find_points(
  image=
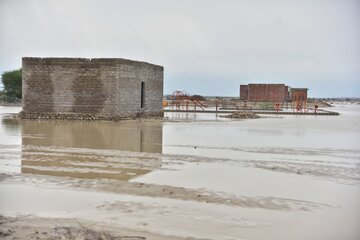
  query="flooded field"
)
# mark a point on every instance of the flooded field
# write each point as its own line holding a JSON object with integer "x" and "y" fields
{"x": 191, "y": 176}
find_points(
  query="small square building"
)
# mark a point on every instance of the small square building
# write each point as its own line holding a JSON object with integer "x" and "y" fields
{"x": 112, "y": 87}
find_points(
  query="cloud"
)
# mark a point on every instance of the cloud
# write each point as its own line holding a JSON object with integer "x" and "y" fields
{"x": 209, "y": 47}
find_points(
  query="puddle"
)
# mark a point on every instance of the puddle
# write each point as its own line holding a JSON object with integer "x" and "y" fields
{"x": 247, "y": 181}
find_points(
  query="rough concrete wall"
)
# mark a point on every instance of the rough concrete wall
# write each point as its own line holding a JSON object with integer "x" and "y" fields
{"x": 130, "y": 78}
{"x": 244, "y": 92}
{"x": 266, "y": 92}
{"x": 35, "y": 79}
{"x": 94, "y": 86}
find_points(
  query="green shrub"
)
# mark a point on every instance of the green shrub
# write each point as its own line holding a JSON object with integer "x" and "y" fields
{"x": 12, "y": 82}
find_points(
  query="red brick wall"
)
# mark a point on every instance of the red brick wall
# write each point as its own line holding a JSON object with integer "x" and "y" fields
{"x": 275, "y": 93}
{"x": 257, "y": 92}
{"x": 266, "y": 92}
{"x": 244, "y": 92}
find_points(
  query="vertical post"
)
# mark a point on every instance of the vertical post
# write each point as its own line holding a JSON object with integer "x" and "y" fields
{"x": 277, "y": 107}
{"x": 195, "y": 106}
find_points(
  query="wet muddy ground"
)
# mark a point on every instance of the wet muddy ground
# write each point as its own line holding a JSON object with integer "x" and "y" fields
{"x": 191, "y": 176}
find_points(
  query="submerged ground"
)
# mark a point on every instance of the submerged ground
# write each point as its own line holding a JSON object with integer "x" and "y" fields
{"x": 192, "y": 176}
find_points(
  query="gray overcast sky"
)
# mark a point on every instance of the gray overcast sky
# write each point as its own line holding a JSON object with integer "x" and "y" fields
{"x": 206, "y": 47}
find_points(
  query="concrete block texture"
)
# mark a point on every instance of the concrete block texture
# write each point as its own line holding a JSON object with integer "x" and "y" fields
{"x": 112, "y": 86}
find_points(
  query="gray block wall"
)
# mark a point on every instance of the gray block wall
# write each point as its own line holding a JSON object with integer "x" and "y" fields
{"x": 106, "y": 86}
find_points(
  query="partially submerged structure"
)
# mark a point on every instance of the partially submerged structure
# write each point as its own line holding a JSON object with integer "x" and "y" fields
{"x": 277, "y": 94}
{"x": 104, "y": 88}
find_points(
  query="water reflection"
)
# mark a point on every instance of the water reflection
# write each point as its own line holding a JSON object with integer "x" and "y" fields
{"x": 111, "y": 150}
{"x": 9, "y": 126}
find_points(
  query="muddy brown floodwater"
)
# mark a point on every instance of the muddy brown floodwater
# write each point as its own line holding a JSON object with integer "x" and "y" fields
{"x": 191, "y": 176}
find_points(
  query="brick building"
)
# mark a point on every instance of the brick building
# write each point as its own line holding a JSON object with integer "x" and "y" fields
{"x": 264, "y": 92}
{"x": 103, "y": 86}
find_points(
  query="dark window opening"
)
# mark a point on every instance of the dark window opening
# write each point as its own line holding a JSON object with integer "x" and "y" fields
{"x": 142, "y": 94}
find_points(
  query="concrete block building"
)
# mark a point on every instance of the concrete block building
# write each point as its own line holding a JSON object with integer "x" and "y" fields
{"x": 102, "y": 86}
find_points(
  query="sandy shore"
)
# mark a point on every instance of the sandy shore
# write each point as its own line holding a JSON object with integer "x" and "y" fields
{"x": 32, "y": 227}
{"x": 162, "y": 191}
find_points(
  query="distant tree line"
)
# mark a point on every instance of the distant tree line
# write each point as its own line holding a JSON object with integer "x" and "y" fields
{"x": 12, "y": 82}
